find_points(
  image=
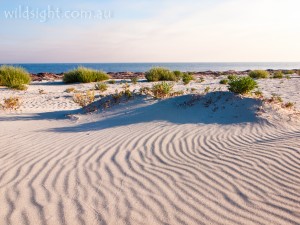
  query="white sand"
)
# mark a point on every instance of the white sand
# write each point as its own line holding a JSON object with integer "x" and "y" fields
{"x": 151, "y": 162}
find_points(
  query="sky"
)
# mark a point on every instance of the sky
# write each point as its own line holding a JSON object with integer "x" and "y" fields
{"x": 150, "y": 31}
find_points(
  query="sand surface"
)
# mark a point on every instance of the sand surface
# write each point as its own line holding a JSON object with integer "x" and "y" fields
{"x": 151, "y": 162}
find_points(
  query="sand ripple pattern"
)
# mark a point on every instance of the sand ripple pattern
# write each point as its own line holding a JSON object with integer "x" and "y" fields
{"x": 151, "y": 173}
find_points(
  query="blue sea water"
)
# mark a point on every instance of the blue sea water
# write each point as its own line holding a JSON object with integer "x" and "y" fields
{"x": 142, "y": 67}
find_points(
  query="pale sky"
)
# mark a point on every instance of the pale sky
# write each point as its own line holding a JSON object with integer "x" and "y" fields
{"x": 155, "y": 31}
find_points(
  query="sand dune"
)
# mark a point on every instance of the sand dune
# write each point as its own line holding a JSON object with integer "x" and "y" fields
{"x": 150, "y": 162}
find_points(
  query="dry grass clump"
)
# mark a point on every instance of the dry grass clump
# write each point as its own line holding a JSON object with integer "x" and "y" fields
{"x": 11, "y": 103}
{"x": 85, "y": 98}
{"x": 84, "y": 75}
{"x": 14, "y": 77}
{"x": 70, "y": 90}
{"x": 289, "y": 105}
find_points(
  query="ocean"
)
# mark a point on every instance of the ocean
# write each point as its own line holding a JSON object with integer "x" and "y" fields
{"x": 142, "y": 67}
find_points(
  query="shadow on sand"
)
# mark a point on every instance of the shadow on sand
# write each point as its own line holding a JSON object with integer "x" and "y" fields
{"x": 213, "y": 108}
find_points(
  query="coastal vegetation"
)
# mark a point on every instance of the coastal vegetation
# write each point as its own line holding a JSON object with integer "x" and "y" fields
{"x": 84, "y": 75}
{"x": 11, "y": 103}
{"x": 259, "y": 74}
{"x": 14, "y": 77}
{"x": 160, "y": 74}
{"x": 242, "y": 85}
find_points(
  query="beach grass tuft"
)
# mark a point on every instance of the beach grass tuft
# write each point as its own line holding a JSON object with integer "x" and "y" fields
{"x": 14, "y": 77}
{"x": 84, "y": 75}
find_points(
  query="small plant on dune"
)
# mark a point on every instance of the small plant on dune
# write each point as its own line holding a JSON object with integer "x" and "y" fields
{"x": 160, "y": 74}
{"x": 117, "y": 96}
{"x": 232, "y": 77}
{"x": 177, "y": 93}
{"x": 289, "y": 105}
{"x": 258, "y": 94}
{"x": 14, "y": 77}
{"x": 224, "y": 81}
{"x": 200, "y": 80}
{"x": 126, "y": 91}
{"x": 84, "y": 75}
{"x": 42, "y": 91}
{"x": 84, "y": 99}
{"x": 187, "y": 78}
{"x": 287, "y": 77}
{"x": 111, "y": 81}
{"x": 193, "y": 89}
{"x": 274, "y": 99}
{"x": 259, "y": 74}
{"x": 102, "y": 87}
{"x": 134, "y": 80}
{"x": 242, "y": 85}
{"x": 145, "y": 90}
{"x": 70, "y": 90}
{"x": 278, "y": 75}
{"x": 206, "y": 90}
{"x": 162, "y": 90}
{"x": 178, "y": 74}
{"x": 11, "y": 103}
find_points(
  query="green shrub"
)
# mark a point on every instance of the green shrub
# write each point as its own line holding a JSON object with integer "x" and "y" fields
{"x": 259, "y": 74}
{"x": 242, "y": 85}
{"x": 14, "y": 77}
{"x": 187, "y": 78}
{"x": 101, "y": 87}
{"x": 278, "y": 75}
{"x": 84, "y": 75}
{"x": 178, "y": 74}
{"x": 232, "y": 77}
{"x": 224, "y": 81}
{"x": 160, "y": 74}
{"x": 162, "y": 90}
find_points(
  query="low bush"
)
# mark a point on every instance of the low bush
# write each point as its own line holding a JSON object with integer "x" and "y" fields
{"x": 187, "y": 78}
{"x": 101, "y": 87}
{"x": 162, "y": 90}
{"x": 84, "y": 99}
{"x": 232, "y": 77}
{"x": 242, "y": 85}
{"x": 160, "y": 74}
{"x": 14, "y": 77}
{"x": 206, "y": 90}
{"x": 259, "y": 74}
{"x": 278, "y": 75}
{"x": 224, "y": 81}
{"x": 178, "y": 74}
{"x": 11, "y": 103}
{"x": 84, "y": 75}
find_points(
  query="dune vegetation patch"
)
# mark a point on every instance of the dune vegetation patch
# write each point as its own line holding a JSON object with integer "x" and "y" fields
{"x": 242, "y": 85}
{"x": 84, "y": 75}
{"x": 14, "y": 77}
{"x": 259, "y": 74}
